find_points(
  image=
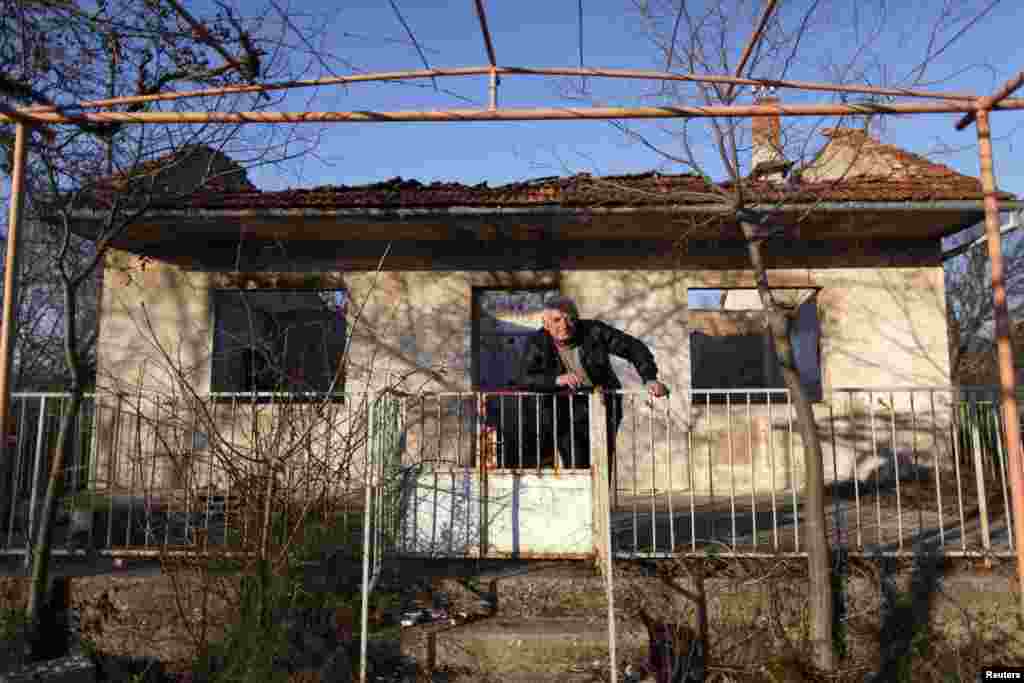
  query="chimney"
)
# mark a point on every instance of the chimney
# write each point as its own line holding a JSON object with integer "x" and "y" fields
{"x": 766, "y": 158}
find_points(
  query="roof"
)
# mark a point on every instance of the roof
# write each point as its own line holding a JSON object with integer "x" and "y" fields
{"x": 905, "y": 177}
{"x": 889, "y": 195}
{"x": 179, "y": 173}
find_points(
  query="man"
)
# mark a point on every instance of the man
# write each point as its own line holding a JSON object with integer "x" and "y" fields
{"x": 574, "y": 354}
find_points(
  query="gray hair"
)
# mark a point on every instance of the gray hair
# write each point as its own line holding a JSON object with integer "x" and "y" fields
{"x": 563, "y": 304}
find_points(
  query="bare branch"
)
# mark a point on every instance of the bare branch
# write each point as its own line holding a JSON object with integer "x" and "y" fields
{"x": 412, "y": 37}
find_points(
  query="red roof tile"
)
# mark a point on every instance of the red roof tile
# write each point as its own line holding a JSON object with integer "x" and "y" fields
{"x": 912, "y": 178}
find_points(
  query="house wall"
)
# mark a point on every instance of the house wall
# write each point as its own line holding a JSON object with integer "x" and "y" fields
{"x": 881, "y": 327}
{"x": 154, "y": 341}
{"x": 153, "y": 317}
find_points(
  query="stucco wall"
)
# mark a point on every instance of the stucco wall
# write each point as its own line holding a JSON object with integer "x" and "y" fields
{"x": 149, "y": 312}
{"x": 154, "y": 340}
{"x": 414, "y": 330}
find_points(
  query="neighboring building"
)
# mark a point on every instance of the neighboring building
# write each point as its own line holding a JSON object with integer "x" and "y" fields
{"x": 463, "y": 271}
{"x": 979, "y": 365}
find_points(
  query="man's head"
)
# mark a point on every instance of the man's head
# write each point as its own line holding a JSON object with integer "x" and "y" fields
{"x": 560, "y": 316}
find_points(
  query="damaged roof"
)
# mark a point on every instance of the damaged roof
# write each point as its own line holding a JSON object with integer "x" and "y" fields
{"x": 584, "y": 190}
{"x": 878, "y": 173}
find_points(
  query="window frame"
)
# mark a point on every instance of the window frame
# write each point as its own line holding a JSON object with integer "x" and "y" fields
{"x": 813, "y": 387}
{"x": 259, "y": 395}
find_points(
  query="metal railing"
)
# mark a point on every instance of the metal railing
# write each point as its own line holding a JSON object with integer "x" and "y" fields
{"x": 722, "y": 471}
{"x": 907, "y": 470}
{"x": 147, "y": 474}
{"x": 709, "y": 471}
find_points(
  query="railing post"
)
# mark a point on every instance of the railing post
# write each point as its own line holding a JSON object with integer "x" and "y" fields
{"x": 599, "y": 469}
{"x": 482, "y": 484}
{"x": 37, "y": 466}
{"x": 372, "y": 451}
{"x": 973, "y": 421}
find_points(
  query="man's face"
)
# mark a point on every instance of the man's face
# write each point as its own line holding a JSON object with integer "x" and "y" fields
{"x": 559, "y": 325}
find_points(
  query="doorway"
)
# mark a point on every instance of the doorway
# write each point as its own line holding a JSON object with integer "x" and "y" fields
{"x": 503, "y": 319}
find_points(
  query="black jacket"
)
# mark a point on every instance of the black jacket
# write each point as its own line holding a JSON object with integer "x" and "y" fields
{"x": 541, "y": 365}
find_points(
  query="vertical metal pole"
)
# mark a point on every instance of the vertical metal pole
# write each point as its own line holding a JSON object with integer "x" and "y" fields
{"x": 654, "y": 479}
{"x": 599, "y": 463}
{"x": 1007, "y": 374}
{"x": 690, "y": 421}
{"x": 16, "y": 456}
{"x": 36, "y": 476}
{"x": 10, "y": 298}
{"x": 671, "y": 512}
{"x": 732, "y": 469}
{"x": 957, "y": 412}
{"x": 636, "y": 468}
{"x": 371, "y": 450}
{"x": 771, "y": 460}
{"x": 856, "y": 475}
{"x": 520, "y": 418}
{"x": 753, "y": 473}
{"x": 878, "y": 467}
{"x": 896, "y": 469}
{"x": 494, "y": 90}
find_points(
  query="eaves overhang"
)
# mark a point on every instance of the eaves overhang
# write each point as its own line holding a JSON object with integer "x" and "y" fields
{"x": 888, "y": 220}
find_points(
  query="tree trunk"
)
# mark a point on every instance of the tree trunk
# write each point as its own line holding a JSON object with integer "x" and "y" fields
{"x": 777, "y": 323}
{"x": 41, "y": 550}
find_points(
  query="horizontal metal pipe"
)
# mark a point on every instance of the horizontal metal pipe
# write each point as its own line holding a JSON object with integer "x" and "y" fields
{"x": 639, "y": 392}
{"x": 853, "y": 553}
{"x": 385, "y": 76}
{"x": 146, "y": 554}
{"x": 19, "y": 116}
{"x": 523, "y": 114}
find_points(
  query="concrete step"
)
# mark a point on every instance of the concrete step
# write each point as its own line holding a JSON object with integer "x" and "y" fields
{"x": 586, "y": 676}
{"x": 557, "y": 647}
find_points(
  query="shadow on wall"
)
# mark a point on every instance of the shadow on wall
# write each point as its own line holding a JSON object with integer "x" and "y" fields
{"x": 894, "y": 329}
{"x": 449, "y": 514}
{"x": 155, "y": 327}
{"x": 420, "y": 326}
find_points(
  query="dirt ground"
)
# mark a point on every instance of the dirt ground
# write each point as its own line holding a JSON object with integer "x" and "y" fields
{"x": 160, "y": 617}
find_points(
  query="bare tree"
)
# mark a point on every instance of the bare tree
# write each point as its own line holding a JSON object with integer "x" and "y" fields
{"x": 289, "y": 449}
{"x": 773, "y": 40}
{"x": 58, "y": 54}
{"x": 969, "y": 304}
{"x": 38, "y": 363}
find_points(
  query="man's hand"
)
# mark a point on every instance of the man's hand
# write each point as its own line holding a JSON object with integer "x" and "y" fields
{"x": 657, "y": 389}
{"x": 569, "y": 380}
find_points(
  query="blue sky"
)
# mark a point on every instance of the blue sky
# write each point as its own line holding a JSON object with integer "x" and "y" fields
{"x": 367, "y": 36}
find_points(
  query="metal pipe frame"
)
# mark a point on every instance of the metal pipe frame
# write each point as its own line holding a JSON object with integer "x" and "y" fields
{"x": 513, "y": 114}
{"x": 589, "y": 72}
{"x": 14, "y": 220}
{"x": 1007, "y": 371}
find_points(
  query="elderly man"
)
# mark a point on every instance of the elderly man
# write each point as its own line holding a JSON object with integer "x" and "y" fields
{"x": 571, "y": 353}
